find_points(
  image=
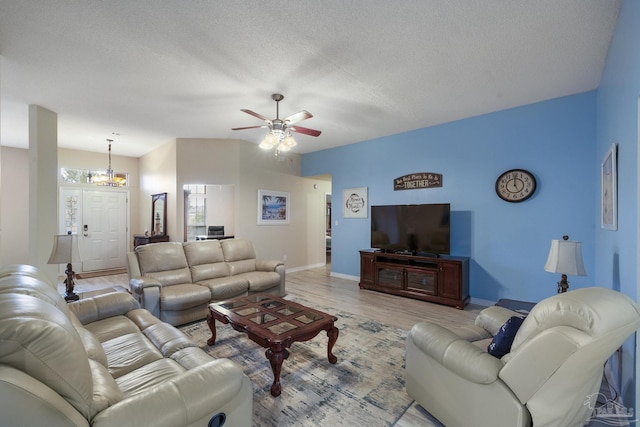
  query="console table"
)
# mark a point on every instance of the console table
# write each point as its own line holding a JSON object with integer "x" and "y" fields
{"x": 145, "y": 240}
{"x": 443, "y": 280}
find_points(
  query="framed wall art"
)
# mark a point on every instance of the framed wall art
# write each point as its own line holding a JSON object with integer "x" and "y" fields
{"x": 354, "y": 202}
{"x": 609, "y": 194}
{"x": 273, "y": 207}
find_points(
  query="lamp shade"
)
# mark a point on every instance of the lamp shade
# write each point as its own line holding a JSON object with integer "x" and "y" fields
{"x": 65, "y": 249}
{"x": 565, "y": 257}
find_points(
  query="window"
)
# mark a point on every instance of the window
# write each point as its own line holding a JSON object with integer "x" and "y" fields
{"x": 84, "y": 176}
{"x": 196, "y": 210}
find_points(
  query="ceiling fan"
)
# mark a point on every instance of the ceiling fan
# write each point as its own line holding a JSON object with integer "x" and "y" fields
{"x": 279, "y": 135}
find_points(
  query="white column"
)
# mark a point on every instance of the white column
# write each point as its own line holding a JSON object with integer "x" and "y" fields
{"x": 43, "y": 187}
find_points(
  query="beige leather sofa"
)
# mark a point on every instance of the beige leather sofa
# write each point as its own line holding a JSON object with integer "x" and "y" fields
{"x": 176, "y": 281}
{"x": 554, "y": 366}
{"x": 104, "y": 362}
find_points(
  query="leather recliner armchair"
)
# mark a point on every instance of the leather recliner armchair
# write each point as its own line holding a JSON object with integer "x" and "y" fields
{"x": 554, "y": 366}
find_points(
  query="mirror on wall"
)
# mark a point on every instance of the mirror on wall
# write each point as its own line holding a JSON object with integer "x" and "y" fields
{"x": 158, "y": 214}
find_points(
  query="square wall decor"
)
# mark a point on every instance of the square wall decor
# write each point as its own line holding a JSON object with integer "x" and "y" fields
{"x": 354, "y": 202}
{"x": 273, "y": 207}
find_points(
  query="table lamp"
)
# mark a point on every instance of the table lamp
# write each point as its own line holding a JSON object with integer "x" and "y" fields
{"x": 565, "y": 257}
{"x": 65, "y": 251}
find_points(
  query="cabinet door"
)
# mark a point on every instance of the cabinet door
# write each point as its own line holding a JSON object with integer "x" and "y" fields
{"x": 366, "y": 269}
{"x": 422, "y": 280}
{"x": 449, "y": 279}
{"x": 389, "y": 276}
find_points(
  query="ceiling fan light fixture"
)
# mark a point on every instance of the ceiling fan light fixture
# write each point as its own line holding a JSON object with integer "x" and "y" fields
{"x": 268, "y": 142}
{"x": 289, "y": 141}
{"x": 279, "y": 135}
{"x": 282, "y": 147}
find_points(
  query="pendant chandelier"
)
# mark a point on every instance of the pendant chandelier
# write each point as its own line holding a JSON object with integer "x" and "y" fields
{"x": 110, "y": 182}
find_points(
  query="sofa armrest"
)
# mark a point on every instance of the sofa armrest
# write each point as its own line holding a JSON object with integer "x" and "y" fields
{"x": 196, "y": 395}
{"x": 268, "y": 264}
{"x": 455, "y": 353}
{"x": 138, "y": 284}
{"x": 103, "y": 306}
{"x": 531, "y": 365}
{"x": 147, "y": 291}
{"x": 25, "y": 401}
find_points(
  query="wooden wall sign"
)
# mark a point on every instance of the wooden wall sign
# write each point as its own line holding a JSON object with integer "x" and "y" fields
{"x": 417, "y": 181}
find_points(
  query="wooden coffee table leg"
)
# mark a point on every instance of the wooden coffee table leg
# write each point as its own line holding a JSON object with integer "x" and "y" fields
{"x": 211, "y": 321}
{"x": 333, "y": 337}
{"x": 276, "y": 358}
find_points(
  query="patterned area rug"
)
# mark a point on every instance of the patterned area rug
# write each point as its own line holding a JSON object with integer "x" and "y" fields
{"x": 365, "y": 387}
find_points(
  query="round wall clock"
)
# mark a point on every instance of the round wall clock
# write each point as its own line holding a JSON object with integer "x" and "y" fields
{"x": 515, "y": 185}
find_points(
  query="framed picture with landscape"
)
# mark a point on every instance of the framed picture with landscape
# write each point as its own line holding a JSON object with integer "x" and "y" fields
{"x": 273, "y": 207}
{"x": 609, "y": 194}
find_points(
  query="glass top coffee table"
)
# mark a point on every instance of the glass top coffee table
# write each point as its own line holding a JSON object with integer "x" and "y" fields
{"x": 274, "y": 323}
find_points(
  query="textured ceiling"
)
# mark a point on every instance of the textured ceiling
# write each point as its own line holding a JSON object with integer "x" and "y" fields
{"x": 155, "y": 70}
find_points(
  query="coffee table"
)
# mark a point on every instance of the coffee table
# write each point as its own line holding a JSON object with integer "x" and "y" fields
{"x": 274, "y": 323}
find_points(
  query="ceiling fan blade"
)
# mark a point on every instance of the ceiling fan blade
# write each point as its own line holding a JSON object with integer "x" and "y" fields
{"x": 297, "y": 117}
{"x": 305, "y": 131}
{"x": 254, "y": 114}
{"x": 250, "y": 127}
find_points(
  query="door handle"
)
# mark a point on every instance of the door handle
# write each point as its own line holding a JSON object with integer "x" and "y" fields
{"x": 86, "y": 231}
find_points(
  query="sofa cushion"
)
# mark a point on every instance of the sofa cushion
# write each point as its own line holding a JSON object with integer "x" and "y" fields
{"x": 226, "y": 287}
{"x": 128, "y": 353}
{"x": 206, "y": 260}
{"x": 165, "y": 262}
{"x": 237, "y": 250}
{"x": 37, "y": 338}
{"x": 501, "y": 342}
{"x": 183, "y": 296}
{"x": 148, "y": 376}
{"x": 112, "y": 327}
{"x": 260, "y": 281}
{"x": 209, "y": 271}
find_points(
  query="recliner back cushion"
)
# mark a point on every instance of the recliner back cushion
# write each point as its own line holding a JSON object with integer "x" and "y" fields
{"x": 38, "y": 339}
{"x": 240, "y": 255}
{"x": 206, "y": 260}
{"x": 31, "y": 285}
{"x": 594, "y": 311}
{"x": 165, "y": 262}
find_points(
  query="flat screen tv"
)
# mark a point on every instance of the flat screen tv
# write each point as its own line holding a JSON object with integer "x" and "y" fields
{"x": 419, "y": 229}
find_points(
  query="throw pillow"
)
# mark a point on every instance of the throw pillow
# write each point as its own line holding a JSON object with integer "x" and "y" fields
{"x": 501, "y": 342}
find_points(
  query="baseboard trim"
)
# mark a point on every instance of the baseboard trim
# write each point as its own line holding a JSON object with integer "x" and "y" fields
{"x": 97, "y": 273}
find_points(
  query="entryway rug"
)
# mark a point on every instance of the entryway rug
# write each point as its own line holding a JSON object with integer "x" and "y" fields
{"x": 365, "y": 387}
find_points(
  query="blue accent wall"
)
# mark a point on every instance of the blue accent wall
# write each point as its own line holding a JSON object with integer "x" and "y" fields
{"x": 508, "y": 243}
{"x": 563, "y": 142}
{"x": 617, "y": 113}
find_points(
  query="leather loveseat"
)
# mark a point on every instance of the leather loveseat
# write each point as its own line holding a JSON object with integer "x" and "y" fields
{"x": 104, "y": 362}
{"x": 553, "y": 369}
{"x": 176, "y": 281}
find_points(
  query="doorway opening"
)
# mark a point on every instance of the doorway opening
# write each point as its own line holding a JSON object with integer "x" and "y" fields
{"x": 208, "y": 208}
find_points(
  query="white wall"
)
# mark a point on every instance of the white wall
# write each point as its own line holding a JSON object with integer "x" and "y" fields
{"x": 14, "y": 220}
{"x": 158, "y": 175}
{"x": 221, "y": 206}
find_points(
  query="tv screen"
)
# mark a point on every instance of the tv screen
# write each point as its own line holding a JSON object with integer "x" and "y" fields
{"x": 414, "y": 228}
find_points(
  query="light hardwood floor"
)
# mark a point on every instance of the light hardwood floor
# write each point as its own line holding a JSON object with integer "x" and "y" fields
{"x": 318, "y": 286}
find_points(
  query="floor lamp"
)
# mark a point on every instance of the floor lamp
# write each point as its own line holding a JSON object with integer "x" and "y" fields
{"x": 65, "y": 251}
{"x": 565, "y": 257}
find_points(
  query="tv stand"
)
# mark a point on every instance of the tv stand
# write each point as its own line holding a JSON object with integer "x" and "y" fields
{"x": 442, "y": 279}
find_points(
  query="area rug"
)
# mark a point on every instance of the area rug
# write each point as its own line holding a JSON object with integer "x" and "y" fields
{"x": 365, "y": 387}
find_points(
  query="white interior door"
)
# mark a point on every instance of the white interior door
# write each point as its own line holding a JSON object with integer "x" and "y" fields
{"x": 103, "y": 245}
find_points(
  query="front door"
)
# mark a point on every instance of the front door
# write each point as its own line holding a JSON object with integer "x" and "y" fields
{"x": 99, "y": 217}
